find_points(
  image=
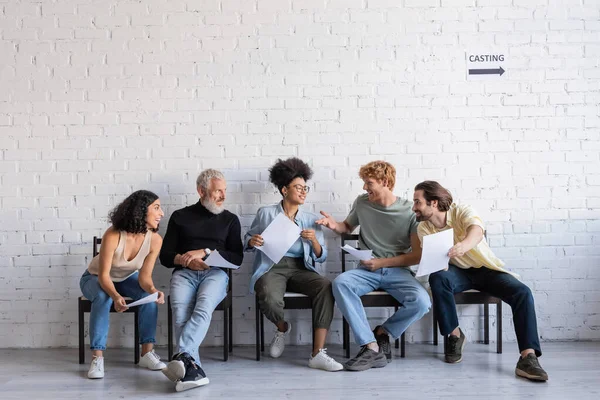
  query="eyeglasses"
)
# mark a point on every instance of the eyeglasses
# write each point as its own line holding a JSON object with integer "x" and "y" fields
{"x": 300, "y": 188}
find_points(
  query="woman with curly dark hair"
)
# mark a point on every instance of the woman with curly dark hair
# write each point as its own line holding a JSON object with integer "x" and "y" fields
{"x": 296, "y": 271}
{"x": 124, "y": 268}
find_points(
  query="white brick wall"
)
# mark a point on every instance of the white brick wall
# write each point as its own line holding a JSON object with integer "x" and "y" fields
{"x": 102, "y": 98}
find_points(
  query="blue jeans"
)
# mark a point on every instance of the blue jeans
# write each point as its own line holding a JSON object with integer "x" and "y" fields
{"x": 101, "y": 303}
{"x": 398, "y": 282}
{"x": 194, "y": 297}
{"x": 499, "y": 284}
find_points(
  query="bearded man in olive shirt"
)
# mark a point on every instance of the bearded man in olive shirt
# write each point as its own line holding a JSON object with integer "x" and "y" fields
{"x": 196, "y": 289}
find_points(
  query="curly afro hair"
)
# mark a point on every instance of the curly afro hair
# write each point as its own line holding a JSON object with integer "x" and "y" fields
{"x": 130, "y": 215}
{"x": 285, "y": 171}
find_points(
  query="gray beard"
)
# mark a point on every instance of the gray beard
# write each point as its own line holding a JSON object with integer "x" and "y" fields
{"x": 212, "y": 206}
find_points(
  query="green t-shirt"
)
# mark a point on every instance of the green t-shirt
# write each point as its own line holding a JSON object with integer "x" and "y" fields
{"x": 385, "y": 230}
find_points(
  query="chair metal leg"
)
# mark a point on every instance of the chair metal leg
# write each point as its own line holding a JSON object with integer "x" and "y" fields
{"x": 435, "y": 327}
{"x": 445, "y": 343}
{"x": 231, "y": 328}
{"x": 486, "y": 323}
{"x": 344, "y": 343}
{"x": 262, "y": 332}
{"x": 346, "y": 333}
{"x": 81, "y": 334}
{"x": 169, "y": 328}
{"x": 499, "y": 327}
{"x": 225, "y": 333}
{"x": 397, "y": 341}
{"x": 136, "y": 334}
{"x": 403, "y": 345}
{"x": 257, "y": 319}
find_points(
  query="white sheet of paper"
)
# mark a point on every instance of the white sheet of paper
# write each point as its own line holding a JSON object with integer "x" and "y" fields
{"x": 360, "y": 254}
{"x": 434, "y": 257}
{"x": 148, "y": 299}
{"x": 279, "y": 236}
{"x": 217, "y": 260}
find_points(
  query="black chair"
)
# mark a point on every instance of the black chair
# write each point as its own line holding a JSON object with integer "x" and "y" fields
{"x": 226, "y": 305}
{"x": 292, "y": 301}
{"x": 377, "y": 298}
{"x": 84, "y": 305}
{"x": 476, "y": 297}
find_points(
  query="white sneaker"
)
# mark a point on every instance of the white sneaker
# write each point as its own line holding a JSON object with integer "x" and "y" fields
{"x": 278, "y": 342}
{"x": 151, "y": 360}
{"x": 96, "y": 368}
{"x": 323, "y": 361}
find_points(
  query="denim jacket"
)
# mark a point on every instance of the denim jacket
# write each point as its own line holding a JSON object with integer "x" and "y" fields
{"x": 305, "y": 220}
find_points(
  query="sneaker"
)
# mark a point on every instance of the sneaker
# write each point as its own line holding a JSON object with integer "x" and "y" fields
{"x": 365, "y": 359}
{"x": 151, "y": 360}
{"x": 383, "y": 341}
{"x": 323, "y": 361}
{"x": 96, "y": 368}
{"x": 278, "y": 342}
{"x": 194, "y": 377}
{"x": 456, "y": 345}
{"x": 530, "y": 368}
{"x": 175, "y": 370}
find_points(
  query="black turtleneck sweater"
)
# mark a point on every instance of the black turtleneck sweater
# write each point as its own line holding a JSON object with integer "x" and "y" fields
{"x": 196, "y": 228}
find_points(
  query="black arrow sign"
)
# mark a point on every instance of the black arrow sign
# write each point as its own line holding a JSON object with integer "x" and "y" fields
{"x": 498, "y": 71}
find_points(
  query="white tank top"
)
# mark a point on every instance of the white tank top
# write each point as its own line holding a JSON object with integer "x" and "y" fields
{"x": 122, "y": 269}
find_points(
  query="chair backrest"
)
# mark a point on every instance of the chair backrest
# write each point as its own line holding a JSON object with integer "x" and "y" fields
{"x": 347, "y": 237}
{"x": 96, "y": 243}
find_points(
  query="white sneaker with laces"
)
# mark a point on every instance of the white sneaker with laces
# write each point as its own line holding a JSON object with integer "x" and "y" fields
{"x": 325, "y": 362}
{"x": 278, "y": 342}
{"x": 151, "y": 360}
{"x": 96, "y": 368}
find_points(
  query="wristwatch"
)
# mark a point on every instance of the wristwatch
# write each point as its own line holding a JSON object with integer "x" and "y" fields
{"x": 206, "y": 253}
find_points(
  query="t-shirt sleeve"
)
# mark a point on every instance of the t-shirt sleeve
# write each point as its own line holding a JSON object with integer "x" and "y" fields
{"x": 352, "y": 218}
{"x": 421, "y": 232}
{"x": 468, "y": 217}
{"x": 413, "y": 223}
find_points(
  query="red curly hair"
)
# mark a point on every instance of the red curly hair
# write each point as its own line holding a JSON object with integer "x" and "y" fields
{"x": 380, "y": 170}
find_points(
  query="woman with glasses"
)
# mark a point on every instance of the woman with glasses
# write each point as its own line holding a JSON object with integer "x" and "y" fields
{"x": 296, "y": 271}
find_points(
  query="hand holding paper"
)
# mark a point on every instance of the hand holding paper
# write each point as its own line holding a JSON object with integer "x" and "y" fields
{"x": 279, "y": 236}
{"x": 145, "y": 300}
{"x": 216, "y": 260}
{"x": 435, "y": 252}
{"x": 362, "y": 255}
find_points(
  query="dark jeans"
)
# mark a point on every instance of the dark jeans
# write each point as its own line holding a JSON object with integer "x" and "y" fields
{"x": 499, "y": 284}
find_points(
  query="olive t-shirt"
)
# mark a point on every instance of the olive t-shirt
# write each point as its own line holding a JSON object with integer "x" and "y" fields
{"x": 385, "y": 230}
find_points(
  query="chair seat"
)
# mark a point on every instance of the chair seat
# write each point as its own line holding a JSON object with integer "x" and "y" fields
{"x": 293, "y": 294}
{"x": 475, "y": 297}
{"x": 297, "y": 301}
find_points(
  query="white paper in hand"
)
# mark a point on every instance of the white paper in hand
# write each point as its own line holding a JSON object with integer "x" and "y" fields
{"x": 279, "y": 236}
{"x": 434, "y": 257}
{"x": 217, "y": 260}
{"x": 362, "y": 255}
{"x": 148, "y": 299}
